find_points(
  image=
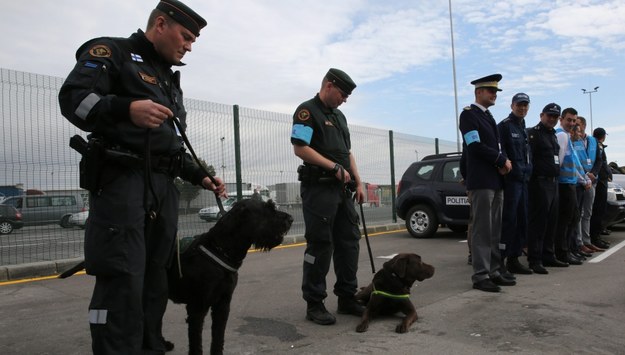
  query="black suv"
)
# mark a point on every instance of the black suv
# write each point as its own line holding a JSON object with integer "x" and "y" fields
{"x": 10, "y": 219}
{"x": 430, "y": 193}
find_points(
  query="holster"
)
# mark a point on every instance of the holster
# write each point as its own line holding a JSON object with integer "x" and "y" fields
{"x": 91, "y": 163}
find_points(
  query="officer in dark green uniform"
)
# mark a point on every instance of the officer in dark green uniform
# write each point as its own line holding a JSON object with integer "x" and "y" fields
{"x": 329, "y": 177}
{"x": 124, "y": 91}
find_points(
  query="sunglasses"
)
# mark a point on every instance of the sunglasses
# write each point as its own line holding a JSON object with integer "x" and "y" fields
{"x": 343, "y": 93}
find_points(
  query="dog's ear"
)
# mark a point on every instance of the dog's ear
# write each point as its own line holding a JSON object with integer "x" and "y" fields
{"x": 397, "y": 265}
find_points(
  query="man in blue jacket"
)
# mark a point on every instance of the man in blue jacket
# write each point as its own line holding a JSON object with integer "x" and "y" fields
{"x": 514, "y": 145}
{"x": 485, "y": 167}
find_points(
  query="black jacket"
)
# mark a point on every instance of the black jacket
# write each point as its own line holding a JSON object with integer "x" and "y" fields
{"x": 109, "y": 74}
{"x": 483, "y": 155}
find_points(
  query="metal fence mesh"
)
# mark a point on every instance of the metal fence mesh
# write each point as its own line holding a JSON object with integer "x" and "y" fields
{"x": 36, "y": 156}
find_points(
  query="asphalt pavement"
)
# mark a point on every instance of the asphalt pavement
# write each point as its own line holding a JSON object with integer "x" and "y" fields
{"x": 574, "y": 310}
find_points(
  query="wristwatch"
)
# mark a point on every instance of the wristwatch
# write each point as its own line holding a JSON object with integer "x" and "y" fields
{"x": 336, "y": 168}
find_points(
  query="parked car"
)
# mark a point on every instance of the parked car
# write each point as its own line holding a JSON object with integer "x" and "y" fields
{"x": 430, "y": 193}
{"x": 78, "y": 219}
{"x": 10, "y": 219}
{"x": 212, "y": 213}
{"x": 46, "y": 209}
{"x": 615, "y": 210}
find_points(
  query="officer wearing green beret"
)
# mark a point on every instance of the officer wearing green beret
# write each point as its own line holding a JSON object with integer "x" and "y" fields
{"x": 124, "y": 92}
{"x": 329, "y": 177}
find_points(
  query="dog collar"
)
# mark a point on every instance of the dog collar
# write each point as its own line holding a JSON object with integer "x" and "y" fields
{"x": 217, "y": 260}
{"x": 390, "y": 295}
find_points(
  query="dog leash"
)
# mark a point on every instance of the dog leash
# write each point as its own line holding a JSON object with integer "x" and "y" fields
{"x": 364, "y": 228}
{"x": 211, "y": 177}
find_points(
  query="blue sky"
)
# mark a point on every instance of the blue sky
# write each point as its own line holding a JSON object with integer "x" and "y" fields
{"x": 272, "y": 54}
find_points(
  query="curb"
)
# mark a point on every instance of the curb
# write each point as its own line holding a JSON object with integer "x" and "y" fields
{"x": 52, "y": 268}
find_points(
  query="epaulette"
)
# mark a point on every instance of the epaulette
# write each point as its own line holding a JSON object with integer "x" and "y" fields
{"x": 507, "y": 119}
{"x": 467, "y": 108}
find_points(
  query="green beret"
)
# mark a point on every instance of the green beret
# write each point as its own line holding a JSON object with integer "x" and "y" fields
{"x": 182, "y": 14}
{"x": 341, "y": 79}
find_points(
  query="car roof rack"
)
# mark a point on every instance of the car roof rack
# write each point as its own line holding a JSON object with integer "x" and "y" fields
{"x": 442, "y": 155}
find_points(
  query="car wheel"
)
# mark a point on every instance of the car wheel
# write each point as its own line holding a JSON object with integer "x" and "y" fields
{"x": 458, "y": 228}
{"x": 6, "y": 228}
{"x": 65, "y": 221}
{"x": 421, "y": 221}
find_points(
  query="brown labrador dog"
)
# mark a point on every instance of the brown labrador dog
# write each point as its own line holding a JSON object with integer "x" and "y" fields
{"x": 389, "y": 292}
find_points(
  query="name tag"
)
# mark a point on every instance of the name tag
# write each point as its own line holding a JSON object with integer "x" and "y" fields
{"x": 556, "y": 159}
{"x": 515, "y": 135}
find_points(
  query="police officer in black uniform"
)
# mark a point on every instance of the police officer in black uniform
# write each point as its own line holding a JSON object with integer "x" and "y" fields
{"x": 125, "y": 93}
{"x": 543, "y": 191}
{"x": 514, "y": 217}
{"x": 329, "y": 176}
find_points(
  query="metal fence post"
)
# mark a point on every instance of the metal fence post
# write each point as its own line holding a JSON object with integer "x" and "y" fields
{"x": 237, "y": 151}
{"x": 393, "y": 189}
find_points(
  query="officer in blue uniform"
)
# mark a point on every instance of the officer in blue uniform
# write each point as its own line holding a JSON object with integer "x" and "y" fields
{"x": 125, "y": 93}
{"x": 320, "y": 137}
{"x": 485, "y": 167}
{"x": 514, "y": 220}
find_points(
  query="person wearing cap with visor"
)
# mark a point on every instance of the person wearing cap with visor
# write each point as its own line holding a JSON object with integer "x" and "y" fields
{"x": 124, "y": 92}
{"x": 514, "y": 220}
{"x": 601, "y": 192}
{"x": 485, "y": 167}
{"x": 320, "y": 137}
{"x": 543, "y": 191}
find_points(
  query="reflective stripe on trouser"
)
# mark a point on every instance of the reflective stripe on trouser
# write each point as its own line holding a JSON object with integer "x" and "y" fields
{"x": 332, "y": 234}
{"x": 130, "y": 293}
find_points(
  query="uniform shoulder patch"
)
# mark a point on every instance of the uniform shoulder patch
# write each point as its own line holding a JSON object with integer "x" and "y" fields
{"x": 100, "y": 50}
{"x": 303, "y": 115}
{"x": 147, "y": 78}
{"x": 467, "y": 108}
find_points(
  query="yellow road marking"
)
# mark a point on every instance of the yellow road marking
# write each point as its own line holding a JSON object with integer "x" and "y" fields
{"x": 42, "y": 278}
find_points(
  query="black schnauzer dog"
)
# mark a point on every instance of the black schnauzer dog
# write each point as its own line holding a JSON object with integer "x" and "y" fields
{"x": 389, "y": 292}
{"x": 209, "y": 266}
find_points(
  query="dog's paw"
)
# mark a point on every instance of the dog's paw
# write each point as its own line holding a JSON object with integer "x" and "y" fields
{"x": 362, "y": 327}
{"x": 401, "y": 328}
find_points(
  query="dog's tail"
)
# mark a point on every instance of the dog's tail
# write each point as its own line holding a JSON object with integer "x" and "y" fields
{"x": 73, "y": 270}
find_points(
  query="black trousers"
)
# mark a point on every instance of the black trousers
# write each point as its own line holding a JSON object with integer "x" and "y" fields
{"x": 514, "y": 218}
{"x": 598, "y": 209}
{"x": 568, "y": 218}
{"x": 543, "y": 215}
{"x": 332, "y": 235}
{"x": 129, "y": 259}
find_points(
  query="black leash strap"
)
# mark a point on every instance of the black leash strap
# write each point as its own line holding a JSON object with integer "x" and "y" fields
{"x": 364, "y": 227}
{"x": 211, "y": 177}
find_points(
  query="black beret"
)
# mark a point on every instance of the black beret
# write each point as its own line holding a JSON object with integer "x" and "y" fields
{"x": 341, "y": 79}
{"x": 490, "y": 81}
{"x": 182, "y": 14}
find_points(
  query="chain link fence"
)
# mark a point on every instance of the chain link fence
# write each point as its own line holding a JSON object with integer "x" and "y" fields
{"x": 250, "y": 149}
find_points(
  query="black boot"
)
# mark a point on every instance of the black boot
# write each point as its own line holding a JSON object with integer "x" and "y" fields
{"x": 514, "y": 266}
{"x": 318, "y": 313}
{"x": 348, "y": 305}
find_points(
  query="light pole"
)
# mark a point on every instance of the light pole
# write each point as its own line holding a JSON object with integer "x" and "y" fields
{"x": 223, "y": 164}
{"x": 417, "y": 152}
{"x": 589, "y": 92}
{"x": 453, "y": 61}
